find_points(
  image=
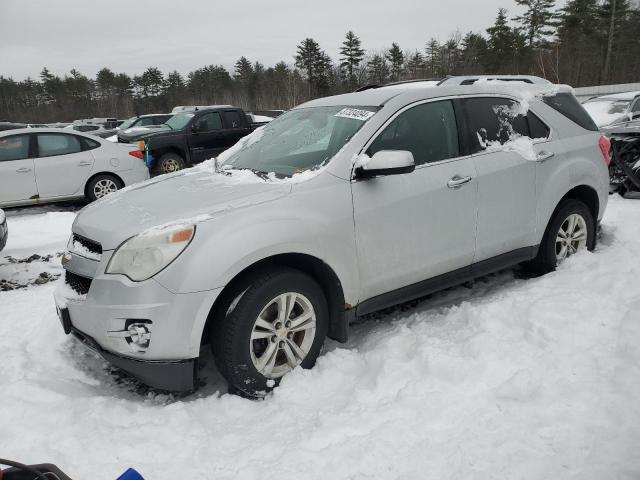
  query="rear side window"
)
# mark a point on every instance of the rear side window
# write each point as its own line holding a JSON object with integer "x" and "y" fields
{"x": 490, "y": 120}
{"x": 88, "y": 144}
{"x": 232, "y": 119}
{"x": 52, "y": 144}
{"x": 566, "y": 104}
{"x": 428, "y": 131}
{"x": 537, "y": 128}
{"x": 14, "y": 147}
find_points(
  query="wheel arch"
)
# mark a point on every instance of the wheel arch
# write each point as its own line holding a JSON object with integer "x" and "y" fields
{"x": 587, "y": 195}
{"x": 317, "y": 269}
{"x": 157, "y": 153}
{"x": 111, "y": 174}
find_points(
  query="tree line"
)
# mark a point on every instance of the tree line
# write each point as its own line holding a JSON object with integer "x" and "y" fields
{"x": 587, "y": 42}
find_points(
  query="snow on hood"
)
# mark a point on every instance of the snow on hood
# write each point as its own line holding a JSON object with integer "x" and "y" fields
{"x": 186, "y": 197}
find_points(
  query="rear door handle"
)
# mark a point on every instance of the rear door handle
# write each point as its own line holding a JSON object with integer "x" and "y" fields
{"x": 457, "y": 181}
{"x": 84, "y": 164}
{"x": 543, "y": 156}
{"x": 23, "y": 170}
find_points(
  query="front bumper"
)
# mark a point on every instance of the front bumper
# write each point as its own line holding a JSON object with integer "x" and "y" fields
{"x": 102, "y": 316}
{"x": 173, "y": 376}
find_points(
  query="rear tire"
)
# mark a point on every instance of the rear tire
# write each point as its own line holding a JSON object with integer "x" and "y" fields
{"x": 168, "y": 163}
{"x": 570, "y": 229}
{"x": 256, "y": 342}
{"x": 102, "y": 185}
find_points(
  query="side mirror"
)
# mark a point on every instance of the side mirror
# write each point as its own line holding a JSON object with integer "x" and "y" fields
{"x": 195, "y": 127}
{"x": 634, "y": 115}
{"x": 387, "y": 162}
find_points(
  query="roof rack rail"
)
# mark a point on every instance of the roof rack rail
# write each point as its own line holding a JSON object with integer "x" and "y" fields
{"x": 401, "y": 82}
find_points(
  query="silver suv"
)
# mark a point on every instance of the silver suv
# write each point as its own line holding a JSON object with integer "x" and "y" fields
{"x": 340, "y": 207}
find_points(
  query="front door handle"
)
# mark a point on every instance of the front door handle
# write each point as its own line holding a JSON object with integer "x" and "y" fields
{"x": 457, "y": 181}
{"x": 543, "y": 156}
{"x": 23, "y": 170}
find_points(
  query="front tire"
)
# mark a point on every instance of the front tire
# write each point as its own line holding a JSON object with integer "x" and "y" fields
{"x": 571, "y": 228}
{"x": 279, "y": 322}
{"x": 102, "y": 185}
{"x": 168, "y": 163}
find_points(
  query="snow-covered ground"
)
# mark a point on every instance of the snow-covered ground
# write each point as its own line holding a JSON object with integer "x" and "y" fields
{"x": 509, "y": 379}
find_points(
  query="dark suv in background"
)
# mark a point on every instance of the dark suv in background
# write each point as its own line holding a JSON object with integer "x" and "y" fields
{"x": 192, "y": 137}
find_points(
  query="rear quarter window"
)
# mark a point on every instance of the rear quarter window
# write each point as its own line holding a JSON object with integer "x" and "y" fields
{"x": 566, "y": 104}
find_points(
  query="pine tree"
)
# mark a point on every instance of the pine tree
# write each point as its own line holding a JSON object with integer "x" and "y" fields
{"x": 432, "y": 58}
{"x": 501, "y": 43}
{"x": 537, "y": 21}
{"x": 396, "y": 59}
{"x": 309, "y": 58}
{"x": 473, "y": 53}
{"x": 415, "y": 66}
{"x": 351, "y": 56}
{"x": 378, "y": 69}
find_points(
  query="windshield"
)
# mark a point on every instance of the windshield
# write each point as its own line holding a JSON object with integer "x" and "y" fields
{"x": 179, "y": 121}
{"x": 302, "y": 139}
{"x": 606, "y": 111}
{"x": 127, "y": 123}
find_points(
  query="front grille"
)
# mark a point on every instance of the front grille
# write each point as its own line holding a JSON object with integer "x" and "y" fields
{"x": 93, "y": 247}
{"x": 78, "y": 283}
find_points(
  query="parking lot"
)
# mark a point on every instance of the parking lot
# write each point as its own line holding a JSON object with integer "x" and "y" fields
{"x": 507, "y": 377}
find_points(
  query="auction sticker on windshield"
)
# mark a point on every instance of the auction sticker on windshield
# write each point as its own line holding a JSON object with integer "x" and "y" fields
{"x": 355, "y": 113}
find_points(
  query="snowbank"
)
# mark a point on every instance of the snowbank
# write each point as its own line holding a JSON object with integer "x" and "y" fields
{"x": 534, "y": 379}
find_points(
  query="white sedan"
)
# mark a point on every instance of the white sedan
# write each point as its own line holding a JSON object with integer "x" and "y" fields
{"x": 39, "y": 165}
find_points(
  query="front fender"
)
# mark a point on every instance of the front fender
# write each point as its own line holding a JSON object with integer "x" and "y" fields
{"x": 312, "y": 221}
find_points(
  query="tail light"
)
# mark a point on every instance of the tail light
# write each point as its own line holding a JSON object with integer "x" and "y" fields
{"x": 605, "y": 147}
{"x": 137, "y": 154}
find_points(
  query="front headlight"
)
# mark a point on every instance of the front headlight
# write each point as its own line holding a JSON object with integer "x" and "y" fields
{"x": 143, "y": 256}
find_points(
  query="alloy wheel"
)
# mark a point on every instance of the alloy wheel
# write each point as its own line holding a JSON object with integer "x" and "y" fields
{"x": 170, "y": 165}
{"x": 283, "y": 334}
{"x": 104, "y": 187}
{"x": 572, "y": 236}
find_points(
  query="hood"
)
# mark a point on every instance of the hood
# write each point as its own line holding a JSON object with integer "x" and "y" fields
{"x": 135, "y": 136}
{"x": 189, "y": 196}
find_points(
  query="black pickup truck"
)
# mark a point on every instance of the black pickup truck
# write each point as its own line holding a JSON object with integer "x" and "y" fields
{"x": 192, "y": 137}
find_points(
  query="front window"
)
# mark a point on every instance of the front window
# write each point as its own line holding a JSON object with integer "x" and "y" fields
{"x": 178, "y": 122}
{"x": 300, "y": 140}
{"x": 15, "y": 147}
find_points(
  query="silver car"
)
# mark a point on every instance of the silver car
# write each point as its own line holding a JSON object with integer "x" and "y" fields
{"x": 340, "y": 207}
{"x": 39, "y": 165}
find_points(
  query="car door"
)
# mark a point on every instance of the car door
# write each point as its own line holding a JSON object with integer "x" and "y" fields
{"x": 17, "y": 171}
{"x": 206, "y": 139}
{"x": 416, "y": 226}
{"x": 235, "y": 127}
{"x": 506, "y": 179}
{"x": 62, "y": 165}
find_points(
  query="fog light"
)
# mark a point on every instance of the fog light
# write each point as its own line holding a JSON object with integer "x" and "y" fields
{"x": 139, "y": 334}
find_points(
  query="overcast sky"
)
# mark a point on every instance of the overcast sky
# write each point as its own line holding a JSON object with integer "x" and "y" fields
{"x": 130, "y": 35}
